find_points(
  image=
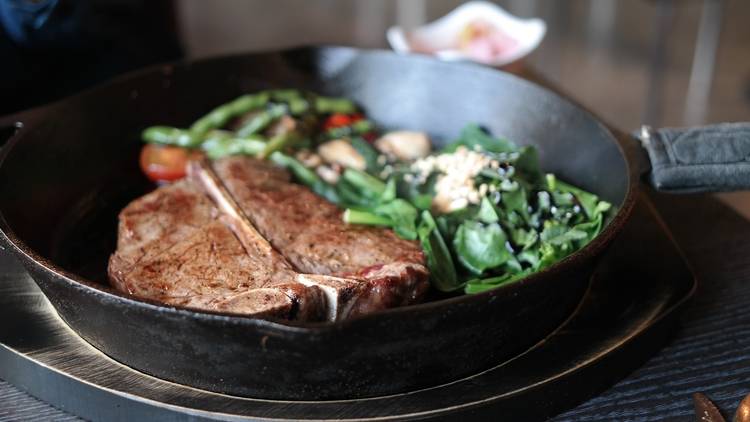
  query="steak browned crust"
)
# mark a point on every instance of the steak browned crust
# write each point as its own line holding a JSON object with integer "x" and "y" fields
{"x": 306, "y": 228}
{"x": 177, "y": 246}
{"x": 310, "y": 232}
{"x": 173, "y": 248}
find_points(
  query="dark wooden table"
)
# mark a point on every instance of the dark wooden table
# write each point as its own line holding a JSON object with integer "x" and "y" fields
{"x": 709, "y": 351}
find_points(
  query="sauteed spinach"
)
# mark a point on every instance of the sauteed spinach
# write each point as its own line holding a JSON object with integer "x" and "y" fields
{"x": 481, "y": 207}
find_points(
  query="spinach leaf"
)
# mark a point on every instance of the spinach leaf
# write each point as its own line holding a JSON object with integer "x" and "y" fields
{"x": 563, "y": 199}
{"x": 515, "y": 200}
{"x": 559, "y": 235}
{"x": 591, "y": 228}
{"x": 419, "y": 194}
{"x": 512, "y": 266}
{"x": 474, "y": 136}
{"x": 588, "y": 201}
{"x": 480, "y": 247}
{"x": 449, "y": 223}
{"x": 601, "y": 208}
{"x": 403, "y": 217}
{"x": 524, "y": 238}
{"x": 530, "y": 257}
{"x": 422, "y": 201}
{"x": 527, "y": 167}
{"x": 487, "y": 213}
{"x": 439, "y": 260}
{"x": 483, "y": 284}
{"x": 548, "y": 255}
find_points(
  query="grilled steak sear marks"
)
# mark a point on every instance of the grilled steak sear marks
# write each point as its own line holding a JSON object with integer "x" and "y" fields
{"x": 306, "y": 228}
{"x": 241, "y": 238}
{"x": 310, "y": 232}
{"x": 173, "y": 248}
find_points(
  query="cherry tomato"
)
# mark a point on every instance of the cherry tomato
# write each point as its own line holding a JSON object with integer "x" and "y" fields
{"x": 337, "y": 120}
{"x": 341, "y": 120}
{"x": 164, "y": 163}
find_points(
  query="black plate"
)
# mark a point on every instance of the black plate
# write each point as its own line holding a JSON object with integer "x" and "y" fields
{"x": 625, "y": 316}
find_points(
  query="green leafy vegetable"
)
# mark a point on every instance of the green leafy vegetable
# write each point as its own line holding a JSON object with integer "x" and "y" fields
{"x": 439, "y": 260}
{"x": 487, "y": 213}
{"x": 588, "y": 201}
{"x": 474, "y": 136}
{"x": 480, "y": 247}
{"x": 524, "y": 238}
{"x": 527, "y": 167}
{"x": 420, "y": 195}
{"x": 484, "y": 284}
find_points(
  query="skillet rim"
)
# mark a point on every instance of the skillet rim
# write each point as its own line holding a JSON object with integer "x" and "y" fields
{"x": 591, "y": 250}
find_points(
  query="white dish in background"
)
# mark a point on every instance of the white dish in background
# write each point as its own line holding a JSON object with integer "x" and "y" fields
{"x": 511, "y": 38}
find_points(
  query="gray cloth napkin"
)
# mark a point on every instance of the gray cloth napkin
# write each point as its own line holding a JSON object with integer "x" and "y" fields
{"x": 701, "y": 159}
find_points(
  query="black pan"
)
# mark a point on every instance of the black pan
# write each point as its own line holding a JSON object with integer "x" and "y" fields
{"x": 71, "y": 166}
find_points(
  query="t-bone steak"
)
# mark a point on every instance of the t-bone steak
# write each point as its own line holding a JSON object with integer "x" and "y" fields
{"x": 237, "y": 236}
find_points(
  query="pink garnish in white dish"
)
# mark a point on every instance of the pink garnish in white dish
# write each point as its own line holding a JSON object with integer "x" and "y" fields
{"x": 478, "y": 31}
{"x": 485, "y": 42}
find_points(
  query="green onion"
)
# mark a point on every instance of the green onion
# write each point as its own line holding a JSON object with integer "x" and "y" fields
{"x": 168, "y": 135}
{"x": 353, "y": 216}
{"x": 326, "y": 105}
{"x": 367, "y": 184}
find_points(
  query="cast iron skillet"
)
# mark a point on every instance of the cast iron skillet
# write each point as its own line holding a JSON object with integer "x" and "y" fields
{"x": 71, "y": 166}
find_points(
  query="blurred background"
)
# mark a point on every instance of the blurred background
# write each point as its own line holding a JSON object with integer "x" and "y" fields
{"x": 630, "y": 60}
{"x": 660, "y": 62}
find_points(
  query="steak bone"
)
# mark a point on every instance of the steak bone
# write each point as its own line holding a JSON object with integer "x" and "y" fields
{"x": 341, "y": 294}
